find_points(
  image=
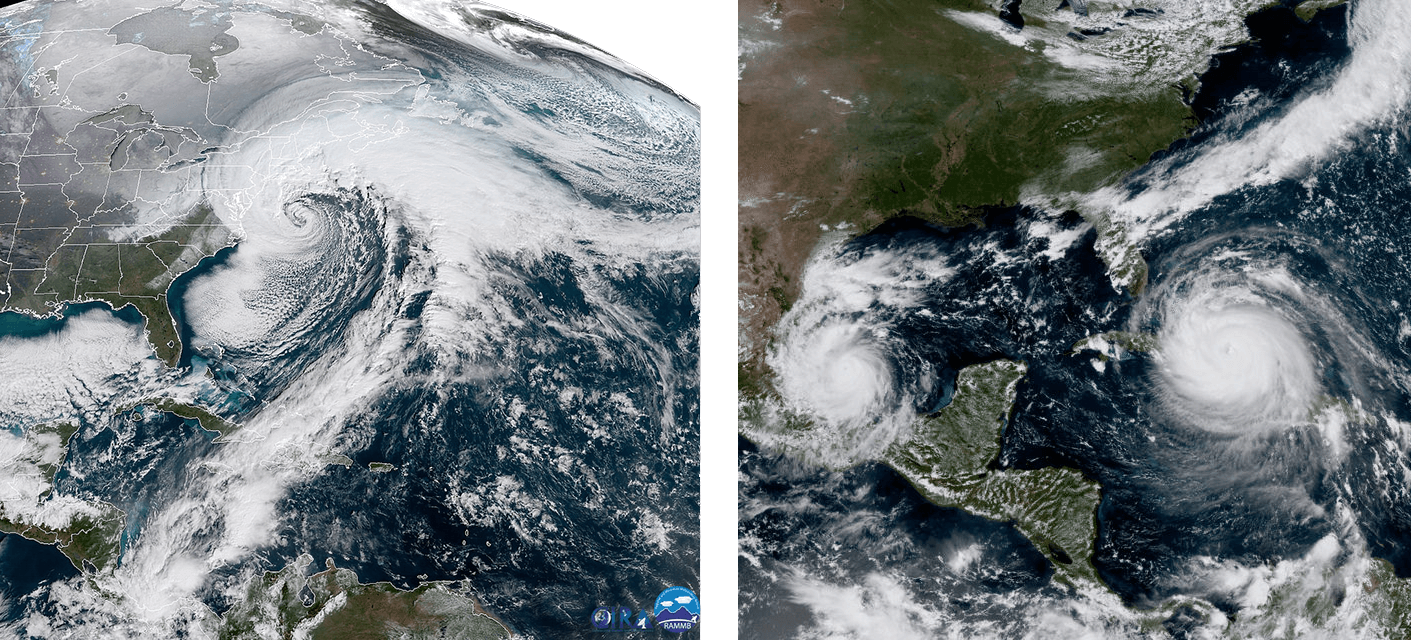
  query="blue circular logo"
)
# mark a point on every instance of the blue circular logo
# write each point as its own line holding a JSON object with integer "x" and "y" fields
{"x": 677, "y": 609}
{"x": 602, "y": 618}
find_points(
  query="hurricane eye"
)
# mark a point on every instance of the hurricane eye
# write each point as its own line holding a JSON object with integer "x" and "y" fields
{"x": 297, "y": 213}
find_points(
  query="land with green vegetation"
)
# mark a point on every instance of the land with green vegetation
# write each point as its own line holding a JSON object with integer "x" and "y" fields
{"x": 204, "y": 417}
{"x": 336, "y": 459}
{"x": 1391, "y": 599}
{"x": 333, "y": 605}
{"x": 134, "y": 273}
{"x": 67, "y": 233}
{"x": 855, "y": 112}
{"x": 1368, "y": 602}
{"x": 852, "y": 113}
{"x": 90, "y": 539}
{"x": 91, "y": 543}
{"x": 1115, "y": 345}
{"x": 1306, "y": 10}
{"x": 949, "y": 458}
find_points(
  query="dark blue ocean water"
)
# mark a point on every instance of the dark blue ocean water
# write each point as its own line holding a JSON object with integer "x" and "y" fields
{"x": 553, "y": 465}
{"x": 589, "y": 501}
{"x": 1170, "y": 493}
{"x": 26, "y": 570}
{"x": 592, "y": 503}
{"x": 587, "y": 496}
{"x": 847, "y": 525}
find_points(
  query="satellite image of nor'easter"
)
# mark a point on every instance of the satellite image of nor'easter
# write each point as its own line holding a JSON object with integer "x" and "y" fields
{"x": 1075, "y": 319}
{"x": 340, "y": 319}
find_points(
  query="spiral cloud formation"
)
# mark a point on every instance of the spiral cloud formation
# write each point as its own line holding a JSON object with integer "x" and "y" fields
{"x": 1231, "y": 362}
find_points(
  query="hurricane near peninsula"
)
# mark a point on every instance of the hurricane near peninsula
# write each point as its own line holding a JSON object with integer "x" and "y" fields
{"x": 1234, "y": 351}
{"x": 326, "y": 315}
{"x": 1096, "y": 325}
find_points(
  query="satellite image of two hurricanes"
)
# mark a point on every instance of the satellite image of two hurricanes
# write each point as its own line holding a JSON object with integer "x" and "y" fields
{"x": 381, "y": 319}
{"x": 1074, "y": 319}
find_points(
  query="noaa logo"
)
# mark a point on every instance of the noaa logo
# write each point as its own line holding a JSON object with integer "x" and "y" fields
{"x": 602, "y": 618}
{"x": 677, "y": 610}
{"x": 619, "y": 619}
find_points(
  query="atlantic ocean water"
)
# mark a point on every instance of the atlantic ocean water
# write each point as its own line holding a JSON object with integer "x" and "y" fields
{"x": 1249, "y": 432}
{"x": 433, "y": 271}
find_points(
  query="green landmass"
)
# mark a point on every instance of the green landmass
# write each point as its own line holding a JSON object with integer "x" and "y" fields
{"x": 205, "y": 418}
{"x": 381, "y": 467}
{"x": 208, "y": 420}
{"x": 335, "y": 606}
{"x": 89, "y": 267}
{"x": 854, "y": 113}
{"x": 336, "y": 459}
{"x": 1306, "y": 10}
{"x": 90, "y": 542}
{"x": 949, "y": 455}
{"x": 63, "y": 432}
{"x": 947, "y": 119}
{"x": 1391, "y": 597}
{"x": 1317, "y": 606}
{"x": 1115, "y": 345}
{"x": 1126, "y": 266}
{"x": 139, "y": 273}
